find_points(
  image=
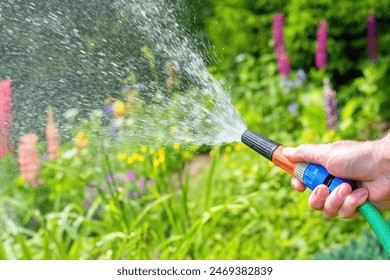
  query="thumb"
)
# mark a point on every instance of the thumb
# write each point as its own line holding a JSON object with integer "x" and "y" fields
{"x": 313, "y": 153}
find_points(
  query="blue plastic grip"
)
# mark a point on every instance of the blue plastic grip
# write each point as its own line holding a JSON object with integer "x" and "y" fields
{"x": 315, "y": 175}
{"x": 337, "y": 182}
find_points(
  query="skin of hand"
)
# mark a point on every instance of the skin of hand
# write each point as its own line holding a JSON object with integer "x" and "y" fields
{"x": 368, "y": 163}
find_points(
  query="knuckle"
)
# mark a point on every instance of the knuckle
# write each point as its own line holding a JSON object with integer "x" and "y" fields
{"x": 328, "y": 215}
{"x": 316, "y": 207}
{"x": 343, "y": 214}
{"x": 346, "y": 214}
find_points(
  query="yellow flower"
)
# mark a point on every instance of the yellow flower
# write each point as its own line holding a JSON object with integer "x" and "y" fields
{"x": 271, "y": 164}
{"x": 122, "y": 156}
{"x": 331, "y": 133}
{"x": 232, "y": 165}
{"x": 161, "y": 158}
{"x": 144, "y": 149}
{"x": 161, "y": 155}
{"x": 81, "y": 140}
{"x": 244, "y": 167}
{"x": 228, "y": 149}
{"x": 140, "y": 158}
{"x": 119, "y": 109}
{"x": 152, "y": 151}
{"x": 156, "y": 163}
{"x": 135, "y": 156}
{"x": 176, "y": 146}
{"x": 130, "y": 159}
{"x": 226, "y": 158}
{"x": 238, "y": 106}
{"x": 238, "y": 147}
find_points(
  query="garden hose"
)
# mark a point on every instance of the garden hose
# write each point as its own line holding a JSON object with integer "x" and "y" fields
{"x": 313, "y": 175}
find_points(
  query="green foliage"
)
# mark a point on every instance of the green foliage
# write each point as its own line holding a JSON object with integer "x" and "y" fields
{"x": 247, "y": 27}
{"x": 365, "y": 248}
{"x": 369, "y": 103}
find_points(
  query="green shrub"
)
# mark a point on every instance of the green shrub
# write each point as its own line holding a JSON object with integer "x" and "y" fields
{"x": 367, "y": 247}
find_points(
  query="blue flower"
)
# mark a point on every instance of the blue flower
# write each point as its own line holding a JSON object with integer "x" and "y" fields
{"x": 301, "y": 74}
{"x": 293, "y": 108}
{"x": 108, "y": 109}
{"x": 286, "y": 90}
{"x": 125, "y": 89}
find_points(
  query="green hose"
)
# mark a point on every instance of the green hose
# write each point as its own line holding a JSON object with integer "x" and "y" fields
{"x": 377, "y": 223}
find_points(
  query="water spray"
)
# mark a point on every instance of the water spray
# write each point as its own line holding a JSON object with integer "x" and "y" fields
{"x": 313, "y": 175}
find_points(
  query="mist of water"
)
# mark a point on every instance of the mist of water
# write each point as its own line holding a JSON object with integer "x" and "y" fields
{"x": 72, "y": 54}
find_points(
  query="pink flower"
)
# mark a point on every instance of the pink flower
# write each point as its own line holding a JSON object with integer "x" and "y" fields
{"x": 5, "y": 117}
{"x": 283, "y": 64}
{"x": 371, "y": 36}
{"x": 53, "y": 141}
{"x": 278, "y": 34}
{"x": 322, "y": 42}
{"x": 130, "y": 175}
{"x": 280, "y": 48}
{"x": 29, "y": 159}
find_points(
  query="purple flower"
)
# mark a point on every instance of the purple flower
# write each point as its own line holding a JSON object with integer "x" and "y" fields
{"x": 278, "y": 34}
{"x": 152, "y": 182}
{"x": 282, "y": 81}
{"x": 280, "y": 48}
{"x": 293, "y": 108}
{"x": 322, "y": 41}
{"x": 135, "y": 194}
{"x": 142, "y": 183}
{"x": 110, "y": 178}
{"x": 283, "y": 64}
{"x": 108, "y": 109}
{"x": 90, "y": 189}
{"x": 87, "y": 203}
{"x": 125, "y": 89}
{"x": 301, "y": 74}
{"x": 114, "y": 131}
{"x": 130, "y": 175}
{"x": 330, "y": 106}
{"x": 371, "y": 36}
{"x": 138, "y": 87}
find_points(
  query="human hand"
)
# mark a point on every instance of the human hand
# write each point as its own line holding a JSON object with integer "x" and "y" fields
{"x": 368, "y": 163}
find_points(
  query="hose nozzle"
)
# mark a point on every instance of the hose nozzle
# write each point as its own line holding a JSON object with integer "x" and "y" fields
{"x": 268, "y": 149}
{"x": 259, "y": 143}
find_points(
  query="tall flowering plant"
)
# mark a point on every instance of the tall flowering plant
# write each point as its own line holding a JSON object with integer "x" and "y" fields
{"x": 53, "y": 140}
{"x": 29, "y": 159}
{"x": 280, "y": 47}
{"x": 330, "y": 105}
{"x": 5, "y": 117}
{"x": 371, "y": 38}
{"x": 321, "y": 57}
